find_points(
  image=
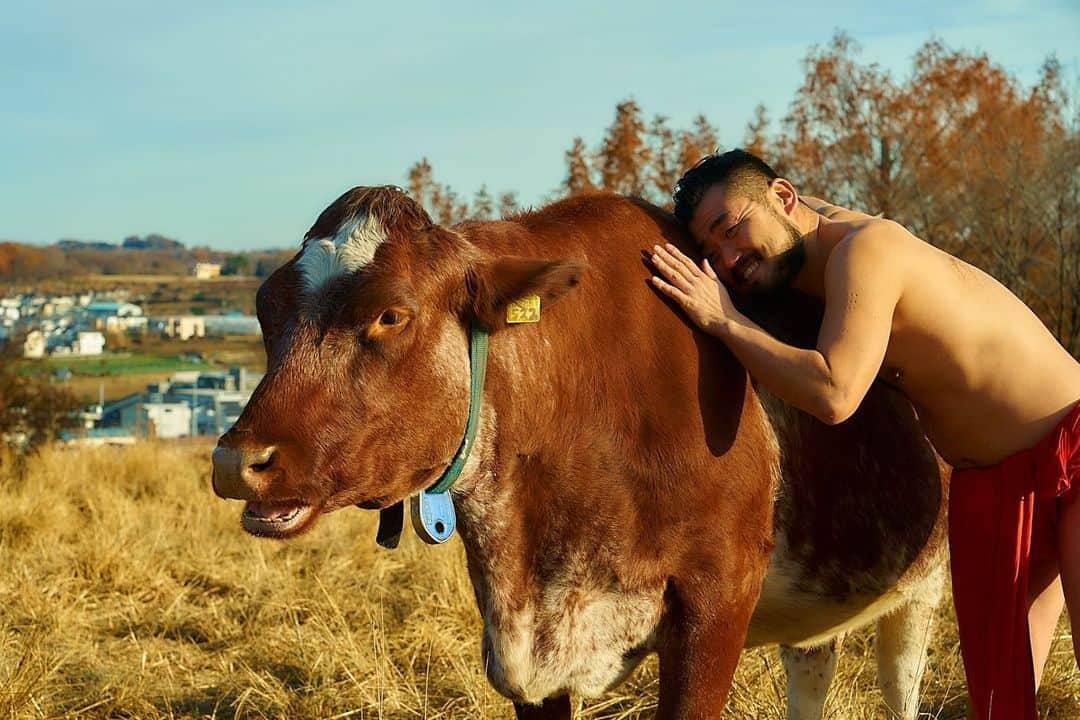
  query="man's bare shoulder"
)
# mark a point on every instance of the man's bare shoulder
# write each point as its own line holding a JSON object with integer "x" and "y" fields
{"x": 871, "y": 243}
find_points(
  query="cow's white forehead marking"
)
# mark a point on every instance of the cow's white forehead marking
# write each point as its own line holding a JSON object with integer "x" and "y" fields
{"x": 351, "y": 248}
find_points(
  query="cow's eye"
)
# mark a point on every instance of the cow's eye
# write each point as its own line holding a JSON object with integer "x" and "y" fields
{"x": 390, "y": 318}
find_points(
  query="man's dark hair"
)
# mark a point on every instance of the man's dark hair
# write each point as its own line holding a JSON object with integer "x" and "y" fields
{"x": 740, "y": 172}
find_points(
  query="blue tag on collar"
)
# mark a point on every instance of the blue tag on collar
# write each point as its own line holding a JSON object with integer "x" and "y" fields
{"x": 433, "y": 516}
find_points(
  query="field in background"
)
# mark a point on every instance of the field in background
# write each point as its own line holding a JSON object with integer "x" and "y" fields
{"x": 161, "y": 294}
{"x": 128, "y": 590}
{"x": 146, "y": 360}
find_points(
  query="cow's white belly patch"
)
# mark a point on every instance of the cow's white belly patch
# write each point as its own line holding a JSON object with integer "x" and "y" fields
{"x": 792, "y": 612}
{"x": 577, "y": 640}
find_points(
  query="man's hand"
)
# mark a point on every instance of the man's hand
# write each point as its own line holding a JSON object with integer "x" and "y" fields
{"x": 696, "y": 290}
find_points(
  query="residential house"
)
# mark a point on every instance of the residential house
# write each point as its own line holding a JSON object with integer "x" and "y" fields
{"x": 34, "y": 346}
{"x": 184, "y": 327}
{"x": 207, "y": 270}
{"x": 88, "y": 343}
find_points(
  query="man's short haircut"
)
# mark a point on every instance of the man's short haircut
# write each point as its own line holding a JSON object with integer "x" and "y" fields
{"x": 741, "y": 172}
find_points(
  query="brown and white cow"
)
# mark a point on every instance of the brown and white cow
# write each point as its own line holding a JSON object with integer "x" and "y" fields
{"x": 629, "y": 491}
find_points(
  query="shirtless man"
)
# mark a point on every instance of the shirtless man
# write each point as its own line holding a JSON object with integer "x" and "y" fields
{"x": 995, "y": 392}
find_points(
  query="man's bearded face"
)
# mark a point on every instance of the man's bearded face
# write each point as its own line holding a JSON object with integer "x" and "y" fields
{"x": 752, "y": 246}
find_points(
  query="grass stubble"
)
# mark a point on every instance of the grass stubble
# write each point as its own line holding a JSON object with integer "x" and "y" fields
{"x": 128, "y": 590}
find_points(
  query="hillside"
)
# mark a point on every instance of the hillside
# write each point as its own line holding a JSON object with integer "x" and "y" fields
{"x": 24, "y": 266}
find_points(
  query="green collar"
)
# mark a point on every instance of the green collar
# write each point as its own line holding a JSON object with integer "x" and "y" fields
{"x": 478, "y": 350}
{"x": 433, "y": 509}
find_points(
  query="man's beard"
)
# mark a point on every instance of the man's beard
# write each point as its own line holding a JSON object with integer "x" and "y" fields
{"x": 782, "y": 269}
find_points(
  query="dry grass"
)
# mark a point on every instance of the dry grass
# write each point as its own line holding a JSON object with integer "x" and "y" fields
{"x": 128, "y": 590}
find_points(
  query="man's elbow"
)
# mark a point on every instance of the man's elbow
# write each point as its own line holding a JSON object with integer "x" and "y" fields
{"x": 836, "y": 407}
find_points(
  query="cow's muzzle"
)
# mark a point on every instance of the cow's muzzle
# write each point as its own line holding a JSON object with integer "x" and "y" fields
{"x": 244, "y": 472}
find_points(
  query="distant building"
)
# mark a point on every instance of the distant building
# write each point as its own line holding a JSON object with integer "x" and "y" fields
{"x": 115, "y": 324}
{"x": 206, "y": 270}
{"x": 232, "y": 324}
{"x": 146, "y": 416}
{"x": 88, "y": 343}
{"x": 114, "y": 316}
{"x": 191, "y": 402}
{"x": 184, "y": 327}
{"x": 100, "y": 309}
{"x": 9, "y": 313}
{"x": 34, "y": 347}
{"x": 166, "y": 419}
{"x": 58, "y": 306}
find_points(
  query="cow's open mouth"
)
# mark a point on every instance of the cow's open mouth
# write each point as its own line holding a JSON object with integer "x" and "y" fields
{"x": 278, "y": 519}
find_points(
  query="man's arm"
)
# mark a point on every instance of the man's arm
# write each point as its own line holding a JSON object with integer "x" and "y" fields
{"x": 830, "y": 382}
{"x": 862, "y": 288}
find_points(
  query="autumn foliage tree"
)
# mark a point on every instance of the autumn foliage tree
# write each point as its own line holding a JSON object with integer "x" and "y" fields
{"x": 637, "y": 157}
{"x": 32, "y": 410}
{"x": 445, "y": 206}
{"x": 960, "y": 152}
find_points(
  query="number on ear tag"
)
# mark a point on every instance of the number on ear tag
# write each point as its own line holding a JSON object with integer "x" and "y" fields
{"x": 524, "y": 310}
{"x": 433, "y": 516}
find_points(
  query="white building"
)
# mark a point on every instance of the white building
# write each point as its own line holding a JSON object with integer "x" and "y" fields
{"x": 185, "y": 327}
{"x": 34, "y": 347}
{"x": 144, "y": 415}
{"x": 88, "y": 343}
{"x": 205, "y": 271}
{"x": 115, "y": 324}
{"x": 235, "y": 324}
{"x": 168, "y": 419}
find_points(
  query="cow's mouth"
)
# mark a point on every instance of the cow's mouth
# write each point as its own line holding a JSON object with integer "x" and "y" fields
{"x": 277, "y": 519}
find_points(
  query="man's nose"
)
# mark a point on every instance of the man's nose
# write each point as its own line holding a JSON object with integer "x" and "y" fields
{"x": 242, "y": 472}
{"x": 729, "y": 256}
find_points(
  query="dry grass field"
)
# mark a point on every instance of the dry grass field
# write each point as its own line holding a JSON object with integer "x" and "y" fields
{"x": 128, "y": 590}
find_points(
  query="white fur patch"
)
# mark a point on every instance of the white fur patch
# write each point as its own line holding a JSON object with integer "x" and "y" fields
{"x": 351, "y": 248}
{"x": 596, "y": 636}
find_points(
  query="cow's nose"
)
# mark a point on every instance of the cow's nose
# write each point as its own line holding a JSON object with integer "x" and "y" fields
{"x": 241, "y": 473}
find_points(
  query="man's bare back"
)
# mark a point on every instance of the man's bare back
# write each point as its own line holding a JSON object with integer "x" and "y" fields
{"x": 985, "y": 375}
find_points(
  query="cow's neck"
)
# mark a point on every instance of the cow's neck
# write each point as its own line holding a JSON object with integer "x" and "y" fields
{"x": 516, "y": 481}
{"x": 510, "y": 475}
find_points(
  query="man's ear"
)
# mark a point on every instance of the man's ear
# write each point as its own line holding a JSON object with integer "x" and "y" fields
{"x": 785, "y": 191}
{"x": 495, "y": 284}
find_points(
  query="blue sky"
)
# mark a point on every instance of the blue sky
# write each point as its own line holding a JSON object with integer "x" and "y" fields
{"x": 233, "y": 124}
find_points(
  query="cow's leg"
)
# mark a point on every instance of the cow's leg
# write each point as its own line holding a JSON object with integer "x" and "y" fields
{"x": 902, "y": 639}
{"x": 551, "y": 709}
{"x": 809, "y": 672}
{"x": 698, "y": 656}
{"x": 695, "y": 677}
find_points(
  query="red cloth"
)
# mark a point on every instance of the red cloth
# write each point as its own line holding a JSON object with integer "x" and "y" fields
{"x": 992, "y": 512}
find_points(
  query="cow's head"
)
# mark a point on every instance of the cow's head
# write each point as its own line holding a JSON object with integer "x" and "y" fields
{"x": 366, "y": 392}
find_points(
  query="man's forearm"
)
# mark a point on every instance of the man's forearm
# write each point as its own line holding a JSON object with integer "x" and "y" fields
{"x": 799, "y": 377}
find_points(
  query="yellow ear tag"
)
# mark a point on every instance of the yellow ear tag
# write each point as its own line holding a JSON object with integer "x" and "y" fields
{"x": 524, "y": 310}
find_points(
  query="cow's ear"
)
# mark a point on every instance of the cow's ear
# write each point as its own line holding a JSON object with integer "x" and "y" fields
{"x": 497, "y": 283}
